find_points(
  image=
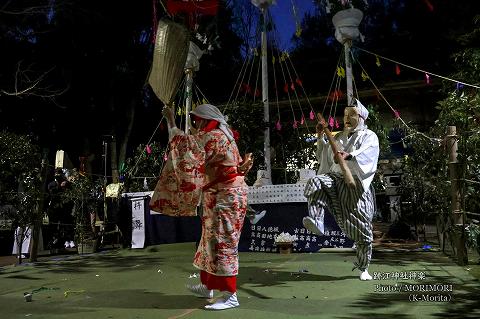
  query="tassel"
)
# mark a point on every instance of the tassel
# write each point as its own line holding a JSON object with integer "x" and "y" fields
{"x": 397, "y": 69}
{"x": 429, "y": 5}
{"x": 148, "y": 149}
{"x": 299, "y": 82}
{"x": 396, "y": 114}
{"x": 364, "y": 76}
{"x": 377, "y": 61}
{"x": 331, "y": 121}
{"x": 292, "y": 86}
{"x": 295, "y": 124}
{"x": 302, "y": 120}
{"x": 285, "y": 87}
{"x": 337, "y": 125}
{"x": 278, "y": 126}
{"x": 312, "y": 115}
{"x": 427, "y": 78}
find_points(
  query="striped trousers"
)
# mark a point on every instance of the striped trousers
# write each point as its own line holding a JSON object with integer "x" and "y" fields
{"x": 353, "y": 210}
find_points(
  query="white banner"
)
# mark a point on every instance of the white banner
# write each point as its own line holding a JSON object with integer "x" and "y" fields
{"x": 27, "y": 241}
{"x": 138, "y": 222}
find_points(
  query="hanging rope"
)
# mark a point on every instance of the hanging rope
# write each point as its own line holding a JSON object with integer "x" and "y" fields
{"x": 236, "y": 83}
{"x": 390, "y": 106}
{"x": 420, "y": 70}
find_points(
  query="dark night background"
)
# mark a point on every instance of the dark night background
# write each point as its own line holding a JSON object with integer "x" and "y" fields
{"x": 93, "y": 59}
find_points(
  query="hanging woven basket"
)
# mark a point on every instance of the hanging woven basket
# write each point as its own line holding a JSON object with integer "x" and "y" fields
{"x": 169, "y": 57}
{"x": 346, "y": 24}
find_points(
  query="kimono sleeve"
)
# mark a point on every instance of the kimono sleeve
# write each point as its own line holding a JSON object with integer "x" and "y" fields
{"x": 179, "y": 187}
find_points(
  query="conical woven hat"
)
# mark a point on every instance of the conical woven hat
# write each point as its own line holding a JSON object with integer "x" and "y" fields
{"x": 169, "y": 56}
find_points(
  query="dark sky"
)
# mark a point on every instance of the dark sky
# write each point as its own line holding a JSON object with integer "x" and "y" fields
{"x": 285, "y": 20}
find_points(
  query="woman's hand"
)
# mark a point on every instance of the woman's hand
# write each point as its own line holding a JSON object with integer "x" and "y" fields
{"x": 246, "y": 164}
{"x": 168, "y": 113}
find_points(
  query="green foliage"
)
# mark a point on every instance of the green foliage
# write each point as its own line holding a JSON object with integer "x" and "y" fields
{"x": 142, "y": 165}
{"x": 473, "y": 236}
{"x": 426, "y": 180}
{"x": 289, "y": 149}
{"x": 376, "y": 124}
{"x": 20, "y": 187}
{"x": 333, "y": 6}
{"x": 247, "y": 119}
{"x": 86, "y": 195}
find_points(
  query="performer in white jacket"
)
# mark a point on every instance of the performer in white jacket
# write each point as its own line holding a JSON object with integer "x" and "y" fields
{"x": 353, "y": 208}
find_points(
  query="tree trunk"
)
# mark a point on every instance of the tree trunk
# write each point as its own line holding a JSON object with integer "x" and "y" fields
{"x": 126, "y": 137}
{"x": 113, "y": 160}
{"x": 19, "y": 238}
{"x": 39, "y": 213}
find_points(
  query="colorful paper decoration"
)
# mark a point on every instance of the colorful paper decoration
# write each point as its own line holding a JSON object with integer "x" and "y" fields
{"x": 341, "y": 72}
{"x": 427, "y": 78}
{"x": 148, "y": 149}
{"x": 335, "y": 95}
{"x": 364, "y": 76}
{"x": 397, "y": 69}
{"x": 292, "y": 86}
{"x": 312, "y": 115}
{"x": 429, "y": 5}
{"x": 337, "y": 125}
{"x": 285, "y": 88}
{"x": 396, "y": 114}
{"x": 331, "y": 121}
{"x": 299, "y": 82}
{"x": 377, "y": 61}
{"x": 205, "y": 7}
{"x": 278, "y": 125}
{"x": 302, "y": 120}
{"x": 298, "y": 31}
{"x": 295, "y": 124}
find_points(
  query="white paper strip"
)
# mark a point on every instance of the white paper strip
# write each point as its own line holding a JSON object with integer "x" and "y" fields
{"x": 138, "y": 222}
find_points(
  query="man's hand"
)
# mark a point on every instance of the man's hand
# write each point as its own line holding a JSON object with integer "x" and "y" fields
{"x": 321, "y": 124}
{"x": 346, "y": 156}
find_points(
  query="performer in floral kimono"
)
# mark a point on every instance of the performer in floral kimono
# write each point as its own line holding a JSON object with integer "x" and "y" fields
{"x": 353, "y": 208}
{"x": 220, "y": 176}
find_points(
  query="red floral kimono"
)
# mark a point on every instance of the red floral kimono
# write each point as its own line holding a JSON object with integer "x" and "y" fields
{"x": 224, "y": 200}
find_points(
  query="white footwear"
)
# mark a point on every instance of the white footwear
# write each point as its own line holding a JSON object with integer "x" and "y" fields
{"x": 257, "y": 217}
{"x": 228, "y": 301}
{"x": 310, "y": 224}
{"x": 365, "y": 275}
{"x": 201, "y": 291}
